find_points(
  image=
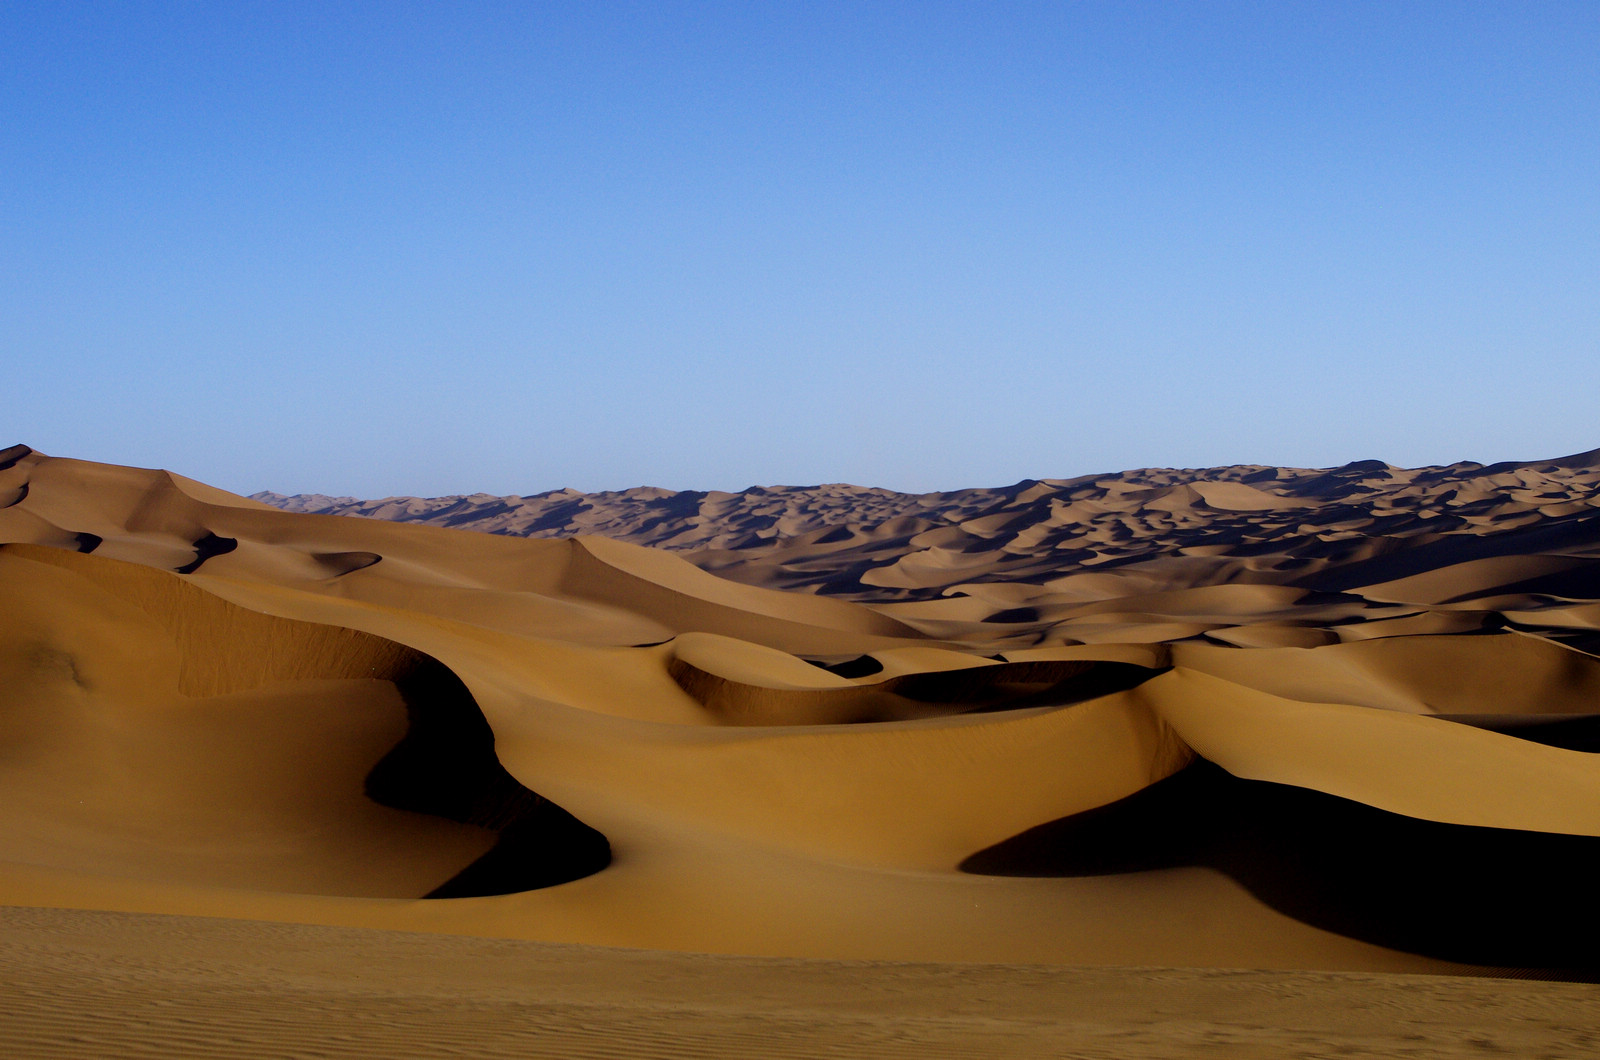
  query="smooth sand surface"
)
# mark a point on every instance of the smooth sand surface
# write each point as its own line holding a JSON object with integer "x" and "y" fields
{"x": 1314, "y": 721}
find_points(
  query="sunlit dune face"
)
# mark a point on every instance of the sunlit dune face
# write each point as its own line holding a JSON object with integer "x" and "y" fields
{"x": 108, "y": 768}
{"x": 1363, "y": 702}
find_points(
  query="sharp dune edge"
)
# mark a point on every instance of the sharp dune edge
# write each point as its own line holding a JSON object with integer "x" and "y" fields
{"x": 1341, "y": 723}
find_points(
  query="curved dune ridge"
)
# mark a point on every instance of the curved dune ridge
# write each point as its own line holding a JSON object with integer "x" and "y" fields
{"x": 158, "y": 729}
{"x": 1094, "y": 559}
{"x": 1233, "y": 717}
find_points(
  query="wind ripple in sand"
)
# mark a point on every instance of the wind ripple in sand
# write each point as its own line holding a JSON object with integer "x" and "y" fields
{"x": 177, "y": 986}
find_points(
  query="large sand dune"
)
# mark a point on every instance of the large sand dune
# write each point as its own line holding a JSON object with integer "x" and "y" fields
{"x": 1245, "y": 717}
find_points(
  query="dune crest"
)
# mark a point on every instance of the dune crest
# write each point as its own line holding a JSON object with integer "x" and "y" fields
{"x": 1097, "y": 720}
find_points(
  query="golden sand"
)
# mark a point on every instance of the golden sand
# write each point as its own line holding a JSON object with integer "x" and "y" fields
{"x": 1330, "y": 722}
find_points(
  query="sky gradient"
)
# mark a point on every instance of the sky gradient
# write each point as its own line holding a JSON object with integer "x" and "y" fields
{"x": 392, "y": 248}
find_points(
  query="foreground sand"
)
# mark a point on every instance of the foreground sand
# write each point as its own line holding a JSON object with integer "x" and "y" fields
{"x": 1224, "y": 737}
{"x": 94, "y": 983}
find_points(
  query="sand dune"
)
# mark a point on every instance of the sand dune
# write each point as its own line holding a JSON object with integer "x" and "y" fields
{"x": 160, "y": 732}
{"x": 1109, "y": 720}
{"x": 1433, "y": 545}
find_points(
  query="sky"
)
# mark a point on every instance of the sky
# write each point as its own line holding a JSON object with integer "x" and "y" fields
{"x": 431, "y": 248}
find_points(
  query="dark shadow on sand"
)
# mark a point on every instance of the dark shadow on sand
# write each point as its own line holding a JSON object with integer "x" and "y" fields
{"x": 206, "y": 547}
{"x": 1020, "y": 685}
{"x": 1496, "y": 897}
{"x": 11, "y": 454}
{"x": 446, "y": 766}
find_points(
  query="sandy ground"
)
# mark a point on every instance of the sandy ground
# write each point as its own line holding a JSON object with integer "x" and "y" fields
{"x": 1324, "y": 722}
{"x": 102, "y": 984}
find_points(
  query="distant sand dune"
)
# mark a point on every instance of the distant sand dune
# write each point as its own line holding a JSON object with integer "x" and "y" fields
{"x": 1229, "y": 717}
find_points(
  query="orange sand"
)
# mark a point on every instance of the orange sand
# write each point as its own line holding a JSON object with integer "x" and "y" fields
{"x": 986, "y": 728}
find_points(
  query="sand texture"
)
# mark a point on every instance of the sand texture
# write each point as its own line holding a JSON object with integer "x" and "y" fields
{"x": 114, "y": 984}
{"x": 1322, "y": 721}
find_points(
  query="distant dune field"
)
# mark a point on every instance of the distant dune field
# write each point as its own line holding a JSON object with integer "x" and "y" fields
{"x": 1340, "y": 722}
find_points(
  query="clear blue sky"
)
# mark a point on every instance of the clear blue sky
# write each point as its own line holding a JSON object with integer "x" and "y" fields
{"x": 435, "y": 248}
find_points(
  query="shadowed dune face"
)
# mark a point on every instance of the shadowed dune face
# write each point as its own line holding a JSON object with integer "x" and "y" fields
{"x": 153, "y": 731}
{"x": 445, "y": 766}
{"x": 940, "y": 693}
{"x": 1485, "y": 896}
{"x": 1380, "y": 673}
{"x": 11, "y": 454}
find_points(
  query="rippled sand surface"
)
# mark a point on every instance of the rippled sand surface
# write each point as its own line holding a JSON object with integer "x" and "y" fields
{"x": 97, "y": 984}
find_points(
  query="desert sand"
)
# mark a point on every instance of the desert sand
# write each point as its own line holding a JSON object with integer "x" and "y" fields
{"x": 156, "y": 985}
{"x": 1336, "y": 726}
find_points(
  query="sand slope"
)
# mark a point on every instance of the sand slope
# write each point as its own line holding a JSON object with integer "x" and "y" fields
{"x": 1141, "y": 719}
{"x": 1440, "y": 538}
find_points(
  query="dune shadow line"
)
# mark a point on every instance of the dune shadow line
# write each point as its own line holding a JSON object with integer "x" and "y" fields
{"x": 206, "y": 547}
{"x": 11, "y": 454}
{"x": 446, "y": 766}
{"x": 1496, "y": 897}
